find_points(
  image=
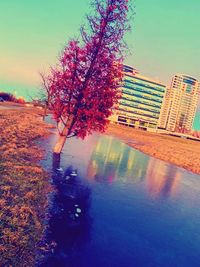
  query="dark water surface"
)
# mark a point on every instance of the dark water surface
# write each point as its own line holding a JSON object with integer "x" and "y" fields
{"x": 135, "y": 210}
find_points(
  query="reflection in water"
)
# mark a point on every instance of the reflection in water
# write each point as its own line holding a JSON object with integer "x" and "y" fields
{"x": 111, "y": 160}
{"x": 135, "y": 222}
{"x": 161, "y": 180}
{"x": 70, "y": 222}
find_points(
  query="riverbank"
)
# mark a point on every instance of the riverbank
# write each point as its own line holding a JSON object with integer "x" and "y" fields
{"x": 23, "y": 187}
{"x": 181, "y": 152}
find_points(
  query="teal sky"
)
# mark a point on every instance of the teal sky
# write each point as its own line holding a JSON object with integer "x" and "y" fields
{"x": 165, "y": 39}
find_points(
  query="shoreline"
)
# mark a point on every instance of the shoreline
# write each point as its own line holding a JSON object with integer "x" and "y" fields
{"x": 183, "y": 153}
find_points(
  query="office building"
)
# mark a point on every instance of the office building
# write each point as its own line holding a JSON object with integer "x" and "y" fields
{"x": 180, "y": 104}
{"x": 141, "y": 101}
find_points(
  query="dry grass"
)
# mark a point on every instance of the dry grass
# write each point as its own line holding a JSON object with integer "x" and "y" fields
{"x": 181, "y": 152}
{"x": 23, "y": 187}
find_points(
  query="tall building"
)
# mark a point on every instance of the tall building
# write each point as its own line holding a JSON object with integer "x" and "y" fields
{"x": 141, "y": 101}
{"x": 180, "y": 104}
{"x": 164, "y": 110}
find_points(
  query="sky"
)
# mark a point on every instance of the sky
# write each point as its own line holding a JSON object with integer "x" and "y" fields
{"x": 164, "y": 40}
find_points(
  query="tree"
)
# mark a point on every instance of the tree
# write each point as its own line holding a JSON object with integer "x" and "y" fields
{"x": 8, "y": 97}
{"x": 82, "y": 88}
{"x": 44, "y": 94}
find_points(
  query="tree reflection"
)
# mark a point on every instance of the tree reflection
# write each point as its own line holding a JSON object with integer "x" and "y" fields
{"x": 69, "y": 222}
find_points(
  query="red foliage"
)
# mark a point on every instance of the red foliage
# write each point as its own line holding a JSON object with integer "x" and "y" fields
{"x": 21, "y": 100}
{"x": 82, "y": 88}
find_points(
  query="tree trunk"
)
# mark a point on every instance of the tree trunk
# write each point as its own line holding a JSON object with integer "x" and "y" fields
{"x": 60, "y": 143}
{"x": 45, "y": 112}
{"x": 62, "y": 137}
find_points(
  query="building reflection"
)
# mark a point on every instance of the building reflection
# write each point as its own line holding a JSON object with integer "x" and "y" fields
{"x": 112, "y": 159}
{"x": 162, "y": 179}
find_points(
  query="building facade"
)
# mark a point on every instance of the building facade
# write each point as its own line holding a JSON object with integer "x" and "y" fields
{"x": 180, "y": 104}
{"x": 141, "y": 101}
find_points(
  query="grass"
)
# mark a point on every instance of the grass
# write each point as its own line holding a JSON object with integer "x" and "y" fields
{"x": 23, "y": 187}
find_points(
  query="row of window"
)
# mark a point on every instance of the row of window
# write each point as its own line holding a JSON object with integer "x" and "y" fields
{"x": 132, "y": 115}
{"x": 136, "y": 122}
{"x": 189, "y": 81}
{"x": 143, "y": 84}
{"x": 125, "y": 103}
{"x": 154, "y": 97}
{"x": 138, "y": 112}
{"x": 135, "y": 100}
{"x": 143, "y": 81}
{"x": 144, "y": 90}
{"x": 141, "y": 96}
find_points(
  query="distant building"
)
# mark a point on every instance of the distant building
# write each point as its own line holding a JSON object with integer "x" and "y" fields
{"x": 141, "y": 101}
{"x": 164, "y": 110}
{"x": 180, "y": 104}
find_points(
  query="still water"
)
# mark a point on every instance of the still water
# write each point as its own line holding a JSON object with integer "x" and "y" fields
{"x": 134, "y": 210}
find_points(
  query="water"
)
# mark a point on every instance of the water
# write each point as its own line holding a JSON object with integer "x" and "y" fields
{"x": 137, "y": 211}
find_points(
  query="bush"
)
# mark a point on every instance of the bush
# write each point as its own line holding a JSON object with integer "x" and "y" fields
{"x": 21, "y": 100}
{"x": 11, "y": 98}
{"x": 8, "y": 97}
